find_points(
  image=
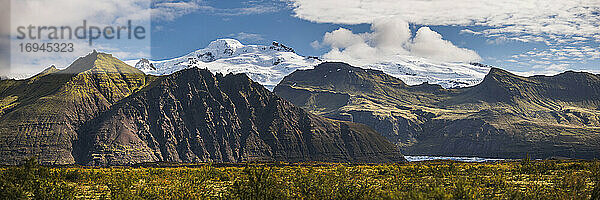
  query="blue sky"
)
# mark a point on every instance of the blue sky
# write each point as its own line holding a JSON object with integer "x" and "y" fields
{"x": 530, "y": 36}
{"x": 279, "y": 22}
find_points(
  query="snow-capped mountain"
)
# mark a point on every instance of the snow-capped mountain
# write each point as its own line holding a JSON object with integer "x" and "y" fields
{"x": 416, "y": 70}
{"x": 145, "y": 65}
{"x": 268, "y": 64}
{"x": 264, "y": 64}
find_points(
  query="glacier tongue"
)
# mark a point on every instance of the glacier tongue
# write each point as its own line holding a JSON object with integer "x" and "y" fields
{"x": 269, "y": 64}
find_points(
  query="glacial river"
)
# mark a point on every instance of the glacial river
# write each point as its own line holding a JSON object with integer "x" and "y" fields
{"x": 461, "y": 159}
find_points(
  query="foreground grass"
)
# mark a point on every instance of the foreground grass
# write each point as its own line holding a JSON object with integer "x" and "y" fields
{"x": 423, "y": 180}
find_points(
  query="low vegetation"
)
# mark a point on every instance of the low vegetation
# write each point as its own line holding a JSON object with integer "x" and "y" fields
{"x": 419, "y": 180}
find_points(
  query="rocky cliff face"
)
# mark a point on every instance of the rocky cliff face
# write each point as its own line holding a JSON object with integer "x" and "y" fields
{"x": 505, "y": 116}
{"x": 101, "y": 111}
{"x": 193, "y": 116}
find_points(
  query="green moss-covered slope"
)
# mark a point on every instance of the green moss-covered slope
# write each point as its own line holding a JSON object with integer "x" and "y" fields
{"x": 40, "y": 116}
{"x": 504, "y": 116}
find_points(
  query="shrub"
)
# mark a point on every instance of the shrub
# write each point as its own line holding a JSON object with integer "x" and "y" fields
{"x": 257, "y": 183}
{"x": 32, "y": 181}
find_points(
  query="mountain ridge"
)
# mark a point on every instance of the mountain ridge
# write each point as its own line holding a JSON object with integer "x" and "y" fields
{"x": 266, "y": 64}
{"x": 40, "y": 115}
{"x": 225, "y": 92}
{"x": 505, "y": 116}
{"x": 269, "y": 64}
{"x": 85, "y": 114}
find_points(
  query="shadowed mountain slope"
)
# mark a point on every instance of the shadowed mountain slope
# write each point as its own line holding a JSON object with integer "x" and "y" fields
{"x": 193, "y": 116}
{"x": 504, "y": 116}
{"x": 101, "y": 111}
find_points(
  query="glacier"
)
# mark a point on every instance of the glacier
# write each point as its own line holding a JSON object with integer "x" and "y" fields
{"x": 269, "y": 64}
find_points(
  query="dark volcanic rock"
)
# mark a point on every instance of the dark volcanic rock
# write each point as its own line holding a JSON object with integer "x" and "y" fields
{"x": 193, "y": 116}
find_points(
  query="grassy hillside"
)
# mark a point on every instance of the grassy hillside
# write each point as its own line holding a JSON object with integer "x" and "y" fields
{"x": 505, "y": 116}
{"x": 39, "y": 116}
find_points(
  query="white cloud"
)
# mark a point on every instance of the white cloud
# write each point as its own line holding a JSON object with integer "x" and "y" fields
{"x": 315, "y": 44}
{"x": 469, "y": 31}
{"x": 579, "y": 54}
{"x": 108, "y": 13}
{"x": 248, "y": 8}
{"x": 391, "y": 37}
{"x": 390, "y": 34}
{"x": 170, "y": 10}
{"x": 73, "y": 13}
{"x": 554, "y": 23}
{"x": 511, "y": 18}
{"x": 342, "y": 38}
{"x": 429, "y": 44}
{"x": 547, "y": 69}
{"x": 248, "y": 37}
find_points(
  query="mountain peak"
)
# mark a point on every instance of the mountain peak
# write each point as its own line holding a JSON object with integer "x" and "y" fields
{"x": 144, "y": 65}
{"x": 50, "y": 69}
{"x": 265, "y": 64}
{"x": 499, "y": 75}
{"x": 281, "y": 47}
{"x": 498, "y": 71}
{"x": 342, "y": 77}
{"x": 99, "y": 62}
{"x": 225, "y": 44}
{"x": 501, "y": 85}
{"x": 82, "y": 64}
{"x": 334, "y": 65}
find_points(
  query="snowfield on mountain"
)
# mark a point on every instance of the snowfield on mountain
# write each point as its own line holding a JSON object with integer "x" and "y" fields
{"x": 268, "y": 64}
{"x": 264, "y": 64}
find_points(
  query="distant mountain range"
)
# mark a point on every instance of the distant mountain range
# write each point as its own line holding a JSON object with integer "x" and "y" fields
{"x": 101, "y": 111}
{"x": 268, "y": 64}
{"x": 504, "y": 116}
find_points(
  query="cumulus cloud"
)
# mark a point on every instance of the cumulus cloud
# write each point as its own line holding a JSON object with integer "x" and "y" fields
{"x": 342, "y": 38}
{"x": 391, "y": 37}
{"x": 512, "y": 18}
{"x": 391, "y": 34}
{"x": 315, "y": 44}
{"x": 429, "y": 44}
{"x": 558, "y": 24}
